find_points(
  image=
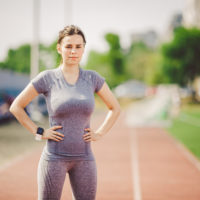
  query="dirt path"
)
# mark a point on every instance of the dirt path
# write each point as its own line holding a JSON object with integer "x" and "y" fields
{"x": 163, "y": 171}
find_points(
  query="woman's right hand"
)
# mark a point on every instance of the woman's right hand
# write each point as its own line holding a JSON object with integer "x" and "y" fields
{"x": 52, "y": 134}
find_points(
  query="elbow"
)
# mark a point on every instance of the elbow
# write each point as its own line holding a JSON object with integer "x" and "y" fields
{"x": 117, "y": 110}
{"x": 13, "y": 109}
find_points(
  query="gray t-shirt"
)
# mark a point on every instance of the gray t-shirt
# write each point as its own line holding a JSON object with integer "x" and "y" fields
{"x": 71, "y": 107}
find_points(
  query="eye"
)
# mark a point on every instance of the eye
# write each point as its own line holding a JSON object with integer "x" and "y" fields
{"x": 68, "y": 46}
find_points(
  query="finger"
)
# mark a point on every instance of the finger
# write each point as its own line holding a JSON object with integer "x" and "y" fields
{"x": 56, "y": 127}
{"x": 57, "y": 133}
{"x": 57, "y": 137}
{"x": 86, "y": 134}
{"x": 87, "y": 138}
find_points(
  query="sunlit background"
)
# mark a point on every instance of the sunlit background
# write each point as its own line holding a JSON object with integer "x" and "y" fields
{"x": 148, "y": 52}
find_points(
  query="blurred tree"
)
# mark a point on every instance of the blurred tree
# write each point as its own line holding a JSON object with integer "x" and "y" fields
{"x": 49, "y": 58}
{"x": 18, "y": 59}
{"x": 110, "y": 64}
{"x": 115, "y": 53}
{"x": 181, "y": 60}
{"x": 99, "y": 62}
{"x": 142, "y": 63}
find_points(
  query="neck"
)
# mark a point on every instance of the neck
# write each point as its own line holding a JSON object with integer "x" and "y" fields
{"x": 69, "y": 68}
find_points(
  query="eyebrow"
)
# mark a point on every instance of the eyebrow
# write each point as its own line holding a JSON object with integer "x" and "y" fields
{"x": 75, "y": 44}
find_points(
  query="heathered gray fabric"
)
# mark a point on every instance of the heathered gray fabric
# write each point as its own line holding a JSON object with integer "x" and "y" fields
{"x": 70, "y": 106}
{"x": 51, "y": 177}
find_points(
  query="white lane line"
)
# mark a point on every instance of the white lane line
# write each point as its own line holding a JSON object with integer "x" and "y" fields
{"x": 135, "y": 167}
{"x": 189, "y": 155}
{"x": 183, "y": 149}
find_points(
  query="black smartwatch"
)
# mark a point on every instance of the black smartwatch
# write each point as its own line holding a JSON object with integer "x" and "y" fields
{"x": 39, "y": 133}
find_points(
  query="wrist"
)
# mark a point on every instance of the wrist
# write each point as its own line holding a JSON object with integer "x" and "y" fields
{"x": 99, "y": 133}
{"x": 39, "y": 133}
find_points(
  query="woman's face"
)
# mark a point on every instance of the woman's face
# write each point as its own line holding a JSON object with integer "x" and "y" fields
{"x": 71, "y": 49}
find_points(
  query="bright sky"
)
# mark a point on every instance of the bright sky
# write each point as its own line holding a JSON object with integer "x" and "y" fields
{"x": 94, "y": 17}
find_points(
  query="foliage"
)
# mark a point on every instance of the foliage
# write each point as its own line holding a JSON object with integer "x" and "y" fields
{"x": 181, "y": 61}
{"x": 109, "y": 64}
{"x": 115, "y": 53}
{"x": 49, "y": 57}
{"x": 116, "y": 65}
{"x": 18, "y": 59}
{"x": 142, "y": 63}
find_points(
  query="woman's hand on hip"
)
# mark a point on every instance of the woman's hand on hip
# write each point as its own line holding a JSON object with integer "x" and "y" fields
{"x": 52, "y": 134}
{"x": 91, "y": 135}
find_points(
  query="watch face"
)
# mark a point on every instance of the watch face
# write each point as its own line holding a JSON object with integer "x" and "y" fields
{"x": 40, "y": 130}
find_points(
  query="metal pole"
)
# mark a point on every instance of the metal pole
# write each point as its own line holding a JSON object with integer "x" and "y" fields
{"x": 35, "y": 114}
{"x": 34, "y": 46}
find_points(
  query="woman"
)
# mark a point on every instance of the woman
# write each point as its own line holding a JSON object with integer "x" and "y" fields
{"x": 69, "y": 93}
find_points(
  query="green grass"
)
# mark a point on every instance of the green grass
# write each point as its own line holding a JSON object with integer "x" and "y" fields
{"x": 187, "y": 133}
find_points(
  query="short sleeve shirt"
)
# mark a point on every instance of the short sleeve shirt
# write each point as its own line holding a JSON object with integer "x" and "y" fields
{"x": 71, "y": 107}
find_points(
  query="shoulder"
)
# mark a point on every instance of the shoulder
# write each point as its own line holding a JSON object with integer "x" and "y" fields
{"x": 90, "y": 73}
{"x": 48, "y": 73}
{"x": 96, "y": 79}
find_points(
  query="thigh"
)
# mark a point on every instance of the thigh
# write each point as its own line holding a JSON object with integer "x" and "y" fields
{"x": 83, "y": 179}
{"x": 50, "y": 176}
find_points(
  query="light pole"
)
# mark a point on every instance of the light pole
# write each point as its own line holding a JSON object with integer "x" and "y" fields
{"x": 35, "y": 114}
{"x": 35, "y": 41}
{"x": 68, "y": 11}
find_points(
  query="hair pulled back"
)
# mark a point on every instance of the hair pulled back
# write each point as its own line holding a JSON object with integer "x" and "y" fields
{"x": 70, "y": 30}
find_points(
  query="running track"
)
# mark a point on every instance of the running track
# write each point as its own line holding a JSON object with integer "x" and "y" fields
{"x": 133, "y": 163}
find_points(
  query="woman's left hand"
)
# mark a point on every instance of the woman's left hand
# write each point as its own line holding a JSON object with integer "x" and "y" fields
{"x": 91, "y": 135}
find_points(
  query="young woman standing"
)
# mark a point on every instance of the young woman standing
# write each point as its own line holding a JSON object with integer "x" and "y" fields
{"x": 69, "y": 93}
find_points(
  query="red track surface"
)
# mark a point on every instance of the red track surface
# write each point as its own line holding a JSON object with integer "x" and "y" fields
{"x": 164, "y": 171}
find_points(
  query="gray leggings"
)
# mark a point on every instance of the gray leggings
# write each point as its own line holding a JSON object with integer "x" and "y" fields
{"x": 51, "y": 177}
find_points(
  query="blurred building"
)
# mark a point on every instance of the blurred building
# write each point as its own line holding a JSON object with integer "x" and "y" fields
{"x": 132, "y": 89}
{"x": 150, "y": 38}
{"x": 189, "y": 18}
{"x": 12, "y": 82}
{"x": 191, "y": 15}
{"x": 176, "y": 21}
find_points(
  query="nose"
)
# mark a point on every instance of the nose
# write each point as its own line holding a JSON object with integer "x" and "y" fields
{"x": 73, "y": 50}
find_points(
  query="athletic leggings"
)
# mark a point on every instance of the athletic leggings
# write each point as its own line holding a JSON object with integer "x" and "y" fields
{"x": 51, "y": 176}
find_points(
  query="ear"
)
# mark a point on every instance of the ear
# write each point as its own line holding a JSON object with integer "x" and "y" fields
{"x": 58, "y": 48}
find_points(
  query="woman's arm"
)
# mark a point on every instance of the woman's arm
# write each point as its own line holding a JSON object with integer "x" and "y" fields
{"x": 17, "y": 109}
{"x": 18, "y": 105}
{"x": 114, "y": 110}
